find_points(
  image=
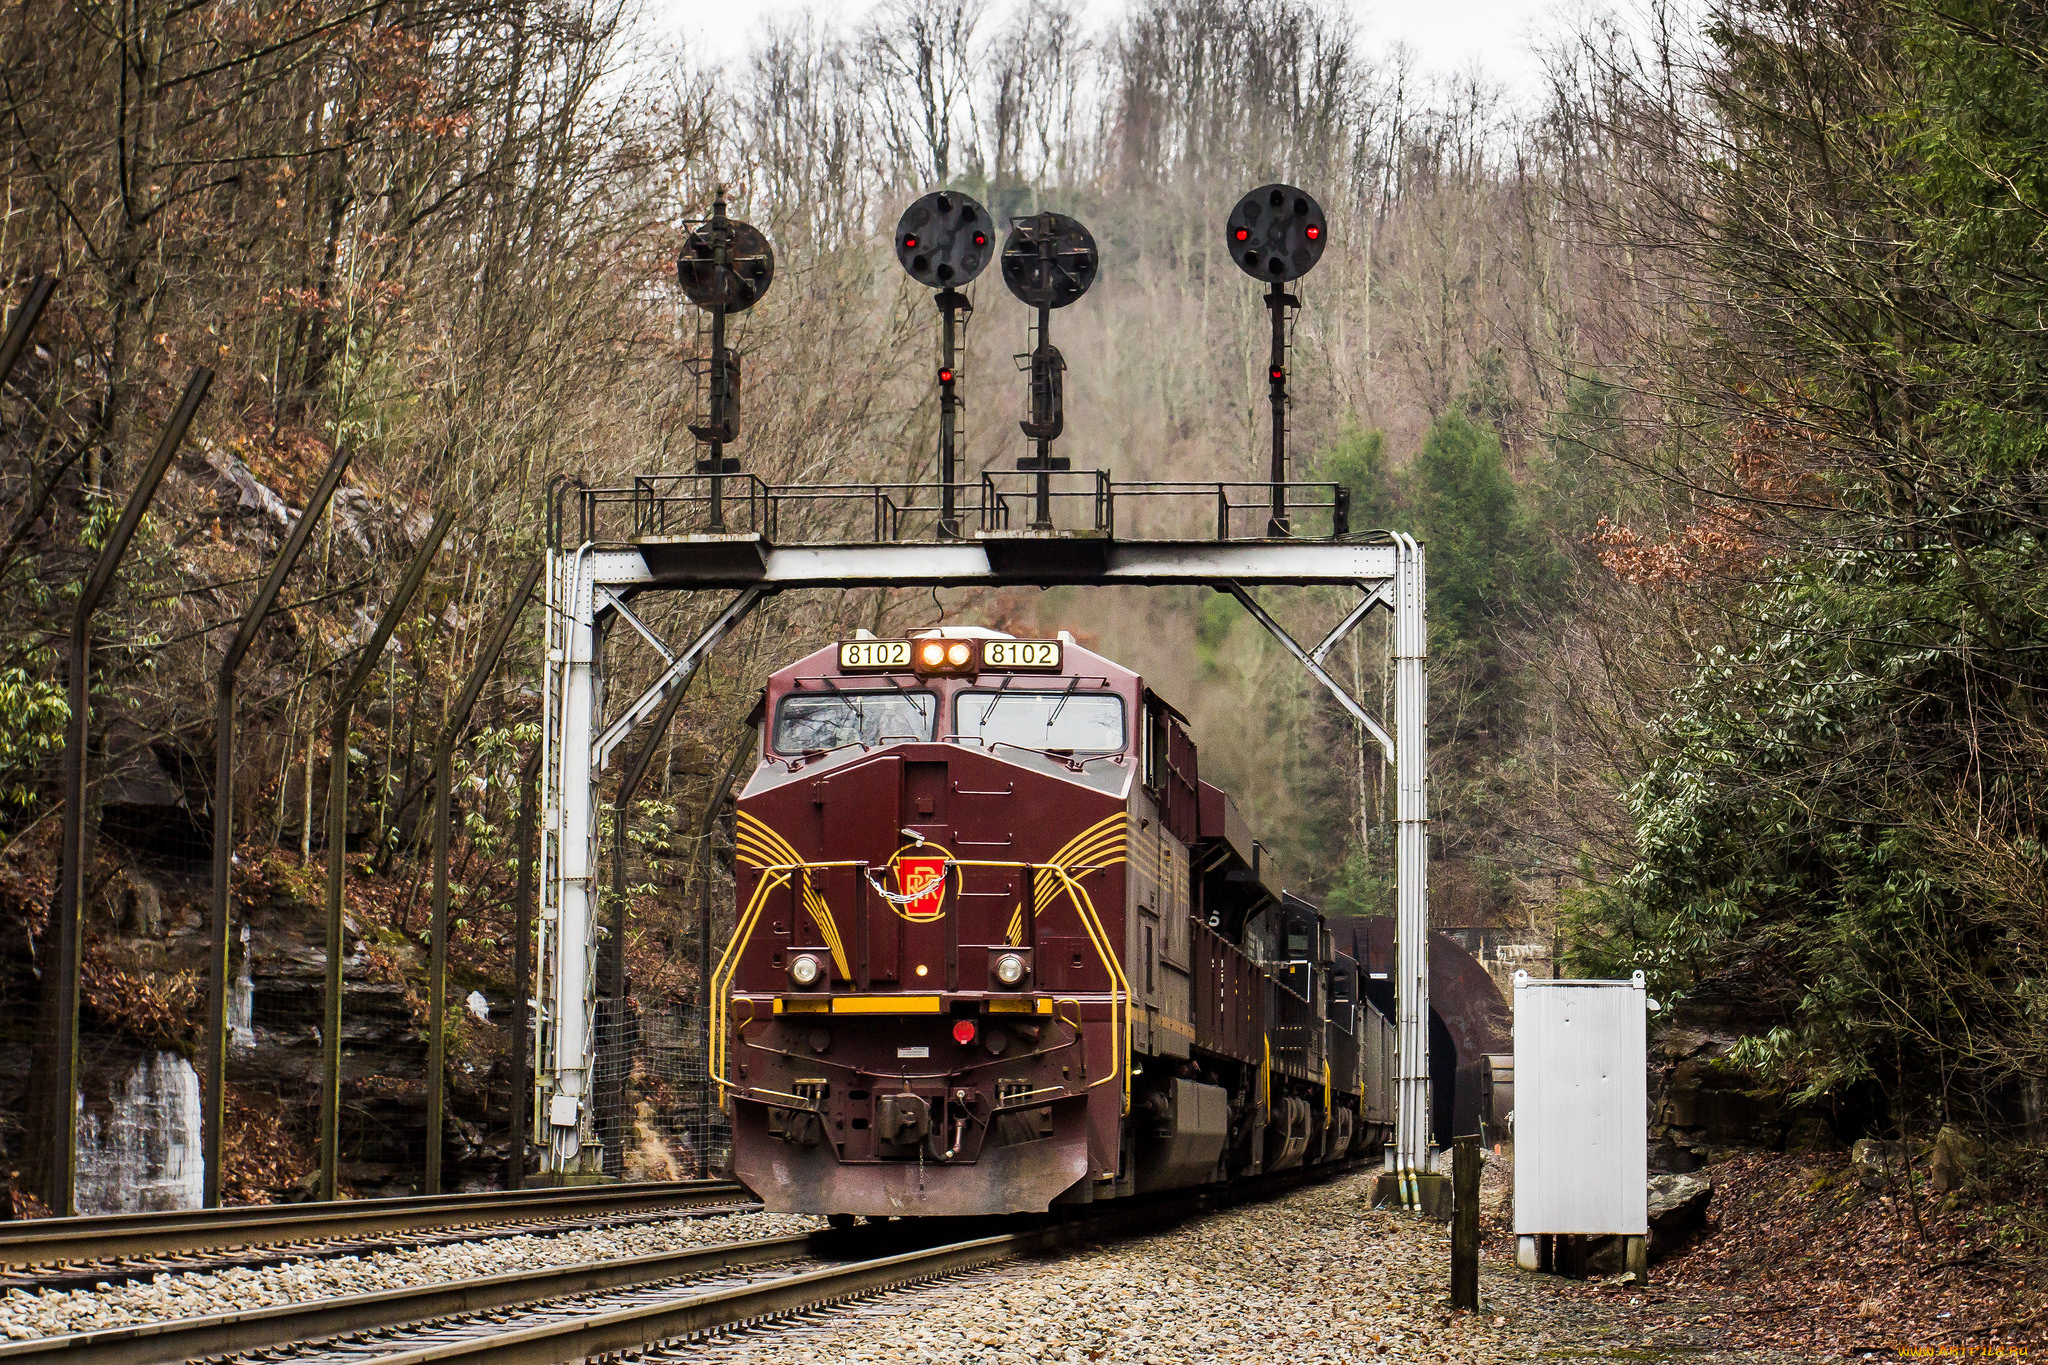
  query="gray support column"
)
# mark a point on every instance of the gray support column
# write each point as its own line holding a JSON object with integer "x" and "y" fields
{"x": 575, "y": 753}
{"x": 1411, "y": 857}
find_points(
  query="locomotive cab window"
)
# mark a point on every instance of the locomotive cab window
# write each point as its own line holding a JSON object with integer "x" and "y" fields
{"x": 808, "y": 722}
{"x": 1066, "y": 721}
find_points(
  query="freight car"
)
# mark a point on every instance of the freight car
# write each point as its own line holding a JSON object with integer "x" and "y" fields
{"x": 999, "y": 947}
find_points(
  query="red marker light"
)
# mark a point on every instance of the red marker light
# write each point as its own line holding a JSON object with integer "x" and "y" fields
{"x": 910, "y": 243}
{"x": 1244, "y": 235}
{"x": 963, "y": 1032}
{"x": 1315, "y": 232}
{"x": 945, "y": 376}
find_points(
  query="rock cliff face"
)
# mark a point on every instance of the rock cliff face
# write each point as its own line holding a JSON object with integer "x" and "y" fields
{"x": 1703, "y": 1106}
{"x": 144, "y": 1007}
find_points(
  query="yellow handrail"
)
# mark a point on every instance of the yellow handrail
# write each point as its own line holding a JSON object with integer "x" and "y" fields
{"x": 776, "y": 875}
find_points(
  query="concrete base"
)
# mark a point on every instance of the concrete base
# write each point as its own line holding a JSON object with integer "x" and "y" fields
{"x": 1424, "y": 1192}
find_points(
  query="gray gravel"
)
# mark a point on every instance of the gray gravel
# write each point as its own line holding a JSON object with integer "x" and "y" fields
{"x": 1315, "y": 1278}
{"x": 57, "y": 1313}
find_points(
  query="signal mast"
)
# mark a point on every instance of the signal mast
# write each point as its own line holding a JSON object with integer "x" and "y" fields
{"x": 725, "y": 267}
{"x": 1049, "y": 261}
{"x": 943, "y": 242}
{"x": 1277, "y": 234}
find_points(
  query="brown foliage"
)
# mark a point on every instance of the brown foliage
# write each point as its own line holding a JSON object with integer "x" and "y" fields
{"x": 155, "y": 1007}
{"x": 266, "y": 1150}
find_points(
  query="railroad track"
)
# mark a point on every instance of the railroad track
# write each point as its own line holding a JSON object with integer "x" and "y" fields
{"x": 117, "y": 1248}
{"x": 569, "y": 1313}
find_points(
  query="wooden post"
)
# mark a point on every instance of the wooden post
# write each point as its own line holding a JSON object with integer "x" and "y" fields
{"x": 1465, "y": 1223}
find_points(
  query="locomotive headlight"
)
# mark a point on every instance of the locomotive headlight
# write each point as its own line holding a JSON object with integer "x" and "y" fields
{"x": 1010, "y": 969}
{"x": 805, "y": 971}
{"x": 956, "y": 654}
{"x": 933, "y": 654}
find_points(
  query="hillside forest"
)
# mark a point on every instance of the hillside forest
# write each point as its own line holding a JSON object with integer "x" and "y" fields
{"x": 1712, "y": 378}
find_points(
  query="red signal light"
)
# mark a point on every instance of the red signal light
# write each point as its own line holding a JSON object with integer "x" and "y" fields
{"x": 1315, "y": 232}
{"x": 945, "y": 376}
{"x": 910, "y": 242}
{"x": 981, "y": 239}
{"x": 1277, "y": 374}
{"x": 1244, "y": 235}
{"x": 963, "y": 1032}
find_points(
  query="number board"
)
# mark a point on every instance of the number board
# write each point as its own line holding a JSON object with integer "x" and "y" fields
{"x": 857, "y": 656}
{"x": 1021, "y": 654}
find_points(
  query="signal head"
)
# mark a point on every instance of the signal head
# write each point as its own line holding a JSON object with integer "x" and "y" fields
{"x": 747, "y": 271}
{"x": 1277, "y": 233}
{"x": 943, "y": 239}
{"x": 1049, "y": 259}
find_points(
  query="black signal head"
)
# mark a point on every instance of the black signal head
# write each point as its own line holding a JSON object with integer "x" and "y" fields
{"x": 1277, "y": 233}
{"x": 748, "y": 268}
{"x": 945, "y": 239}
{"x": 1049, "y": 259}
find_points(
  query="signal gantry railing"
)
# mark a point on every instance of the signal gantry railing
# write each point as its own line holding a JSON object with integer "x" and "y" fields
{"x": 1081, "y": 502}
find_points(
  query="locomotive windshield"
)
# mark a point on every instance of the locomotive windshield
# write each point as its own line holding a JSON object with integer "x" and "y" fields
{"x": 814, "y": 721}
{"x": 1078, "y": 722}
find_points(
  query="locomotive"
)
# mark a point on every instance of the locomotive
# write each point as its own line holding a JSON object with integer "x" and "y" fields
{"x": 999, "y": 948}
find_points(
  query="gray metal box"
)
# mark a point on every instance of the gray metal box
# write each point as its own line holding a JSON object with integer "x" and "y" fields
{"x": 1581, "y": 1119}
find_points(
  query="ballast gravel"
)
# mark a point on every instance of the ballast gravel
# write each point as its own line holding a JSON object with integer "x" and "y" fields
{"x": 1314, "y": 1278}
{"x": 59, "y": 1312}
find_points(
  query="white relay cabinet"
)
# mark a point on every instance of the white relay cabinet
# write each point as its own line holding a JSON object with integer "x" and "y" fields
{"x": 1581, "y": 1120}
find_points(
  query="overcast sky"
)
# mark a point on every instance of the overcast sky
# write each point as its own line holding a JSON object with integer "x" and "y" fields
{"x": 1445, "y": 35}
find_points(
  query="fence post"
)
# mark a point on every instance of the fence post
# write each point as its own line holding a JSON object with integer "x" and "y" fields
{"x": 1465, "y": 1223}
{"x": 61, "y": 1166}
{"x": 214, "y": 1105}
{"x": 522, "y": 974}
{"x": 337, "y": 849}
{"x": 611, "y": 1097}
{"x": 444, "y": 804}
{"x": 24, "y": 324}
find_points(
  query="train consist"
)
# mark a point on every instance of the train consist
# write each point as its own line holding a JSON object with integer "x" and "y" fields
{"x": 999, "y": 948}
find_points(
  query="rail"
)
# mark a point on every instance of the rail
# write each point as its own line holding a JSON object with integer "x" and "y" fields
{"x": 47, "y": 1241}
{"x": 522, "y": 1317}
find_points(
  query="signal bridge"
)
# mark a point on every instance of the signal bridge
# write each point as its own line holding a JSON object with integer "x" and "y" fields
{"x": 714, "y": 532}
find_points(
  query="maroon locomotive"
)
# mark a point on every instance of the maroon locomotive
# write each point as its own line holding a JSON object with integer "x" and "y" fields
{"x": 999, "y": 947}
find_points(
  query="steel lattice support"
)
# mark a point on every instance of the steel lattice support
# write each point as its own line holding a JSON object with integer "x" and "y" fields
{"x": 589, "y": 590}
